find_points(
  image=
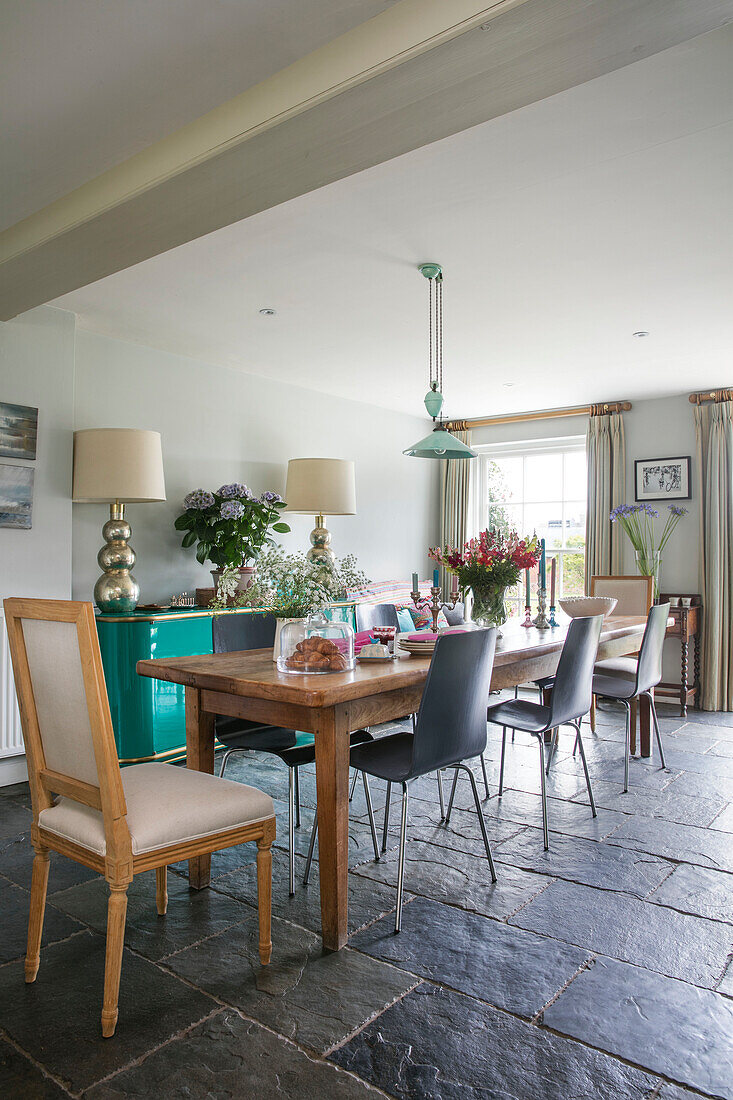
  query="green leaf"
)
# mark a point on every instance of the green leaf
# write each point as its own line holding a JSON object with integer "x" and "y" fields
{"x": 189, "y": 539}
{"x": 182, "y": 523}
{"x": 281, "y": 528}
{"x": 202, "y": 552}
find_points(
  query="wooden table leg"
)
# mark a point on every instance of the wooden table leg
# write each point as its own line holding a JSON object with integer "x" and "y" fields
{"x": 332, "y": 786}
{"x": 645, "y": 718}
{"x": 684, "y": 654}
{"x": 200, "y": 757}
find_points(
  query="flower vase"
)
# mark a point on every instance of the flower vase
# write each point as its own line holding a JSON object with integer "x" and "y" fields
{"x": 279, "y": 624}
{"x": 489, "y": 608}
{"x": 649, "y": 564}
{"x": 246, "y": 577}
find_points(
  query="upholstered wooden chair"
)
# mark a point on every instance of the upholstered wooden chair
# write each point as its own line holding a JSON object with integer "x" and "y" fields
{"x": 118, "y": 823}
{"x": 635, "y": 595}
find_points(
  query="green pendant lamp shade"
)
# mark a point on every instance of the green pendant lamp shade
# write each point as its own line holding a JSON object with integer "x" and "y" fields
{"x": 440, "y": 443}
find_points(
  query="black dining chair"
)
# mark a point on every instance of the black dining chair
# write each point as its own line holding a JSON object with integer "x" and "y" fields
{"x": 450, "y": 729}
{"x": 637, "y": 679}
{"x": 241, "y": 631}
{"x": 571, "y": 699}
{"x": 369, "y": 615}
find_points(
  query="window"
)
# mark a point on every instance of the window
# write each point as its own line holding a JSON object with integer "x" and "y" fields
{"x": 538, "y": 487}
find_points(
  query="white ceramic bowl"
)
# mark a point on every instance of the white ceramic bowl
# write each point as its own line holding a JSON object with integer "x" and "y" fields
{"x": 577, "y": 606}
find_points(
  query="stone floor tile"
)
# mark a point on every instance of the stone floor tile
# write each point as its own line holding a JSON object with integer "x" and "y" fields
{"x": 14, "y": 909}
{"x": 192, "y": 914}
{"x": 514, "y": 970}
{"x": 671, "y": 803}
{"x": 698, "y": 739}
{"x": 722, "y": 748}
{"x": 16, "y": 863}
{"x": 368, "y": 901}
{"x": 675, "y": 944}
{"x": 436, "y": 1044}
{"x": 666, "y": 1026}
{"x": 455, "y": 877}
{"x": 57, "y": 1018}
{"x": 314, "y": 997}
{"x": 21, "y": 1080}
{"x": 698, "y": 890}
{"x": 726, "y": 984}
{"x": 572, "y": 818}
{"x": 685, "y": 843}
{"x": 708, "y": 718}
{"x": 15, "y": 819}
{"x": 585, "y": 861}
{"x": 724, "y": 821}
{"x": 695, "y": 785}
{"x": 703, "y": 763}
{"x": 227, "y": 1056}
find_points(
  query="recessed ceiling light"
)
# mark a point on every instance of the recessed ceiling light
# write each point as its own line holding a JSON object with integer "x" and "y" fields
{"x": 268, "y": 312}
{"x": 641, "y": 333}
{"x": 509, "y": 385}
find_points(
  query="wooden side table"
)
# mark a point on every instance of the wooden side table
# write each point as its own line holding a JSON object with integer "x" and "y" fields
{"x": 686, "y": 627}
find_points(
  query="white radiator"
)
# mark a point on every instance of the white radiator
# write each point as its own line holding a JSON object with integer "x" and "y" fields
{"x": 11, "y": 738}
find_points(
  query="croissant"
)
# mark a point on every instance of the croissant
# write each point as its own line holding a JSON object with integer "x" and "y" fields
{"x": 338, "y": 662}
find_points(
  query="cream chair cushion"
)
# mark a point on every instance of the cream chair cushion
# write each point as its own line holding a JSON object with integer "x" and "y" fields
{"x": 617, "y": 666}
{"x": 165, "y": 805}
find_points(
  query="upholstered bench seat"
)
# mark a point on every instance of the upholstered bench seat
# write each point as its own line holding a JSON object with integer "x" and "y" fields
{"x": 165, "y": 805}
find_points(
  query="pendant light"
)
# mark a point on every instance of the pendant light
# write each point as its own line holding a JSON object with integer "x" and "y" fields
{"x": 440, "y": 443}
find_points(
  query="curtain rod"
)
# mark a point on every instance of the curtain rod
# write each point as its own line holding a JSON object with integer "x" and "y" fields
{"x": 711, "y": 395}
{"x": 546, "y": 414}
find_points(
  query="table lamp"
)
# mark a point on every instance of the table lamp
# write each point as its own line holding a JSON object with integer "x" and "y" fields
{"x": 321, "y": 487}
{"x": 117, "y": 466}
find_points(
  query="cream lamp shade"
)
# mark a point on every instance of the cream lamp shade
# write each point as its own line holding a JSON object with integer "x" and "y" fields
{"x": 321, "y": 486}
{"x": 117, "y": 464}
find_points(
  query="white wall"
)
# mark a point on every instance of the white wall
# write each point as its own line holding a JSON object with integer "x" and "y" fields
{"x": 220, "y": 425}
{"x": 37, "y": 368}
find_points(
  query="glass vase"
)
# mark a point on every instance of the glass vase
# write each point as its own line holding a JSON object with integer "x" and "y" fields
{"x": 649, "y": 564}
{"x": 489, "y": 607}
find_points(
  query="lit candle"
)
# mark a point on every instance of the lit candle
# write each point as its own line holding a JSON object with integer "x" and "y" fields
{"x": 436, "y": 578}
{"x": 454, "y": 584}
{"x": 414, "y": 582}
{"x": 527, "y": 600}
{"x": 543, "y": 566}
{"x": 553, "y": 565}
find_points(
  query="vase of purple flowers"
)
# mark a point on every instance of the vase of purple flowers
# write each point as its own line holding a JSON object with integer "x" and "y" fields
{"x": 637, "y": 520}
{"x": 230, "y": 526}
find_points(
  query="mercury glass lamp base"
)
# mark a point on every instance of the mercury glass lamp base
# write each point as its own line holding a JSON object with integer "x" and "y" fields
{"x": 116, "y": 590}
{"x": 320, "y": 550}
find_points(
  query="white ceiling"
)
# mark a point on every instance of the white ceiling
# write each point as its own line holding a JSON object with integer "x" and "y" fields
{"x": 562, "y": 228}
{"x": 84, "y": 84}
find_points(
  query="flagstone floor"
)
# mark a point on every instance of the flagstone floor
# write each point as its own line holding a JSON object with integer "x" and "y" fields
{"x": 599, "y": 969}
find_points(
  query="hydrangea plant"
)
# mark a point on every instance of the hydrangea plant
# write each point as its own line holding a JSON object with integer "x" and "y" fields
{"x": 230, "y": 525}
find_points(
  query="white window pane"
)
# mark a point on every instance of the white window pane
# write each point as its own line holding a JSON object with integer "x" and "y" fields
{"x": 543, "y": 477}
{"x": 574, "y": 524}
{"x": 505, "y": 517}
{"x": 546, "y": 520}
{"x": 573, "y": 575}
{"x": 575, "y": 475}
{"x": 504, "y": 478}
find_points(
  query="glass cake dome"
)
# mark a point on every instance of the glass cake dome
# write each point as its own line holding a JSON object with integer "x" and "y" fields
{"x": 316, "y": 645}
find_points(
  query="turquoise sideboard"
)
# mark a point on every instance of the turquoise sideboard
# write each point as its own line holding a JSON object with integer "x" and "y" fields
{"x": 148, "y": 716}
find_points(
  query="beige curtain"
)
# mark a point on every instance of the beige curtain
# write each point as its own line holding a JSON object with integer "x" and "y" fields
{"x": 714, "y": 437}
{"x": 606, "y": 452}
{"x": 455, "y": 487}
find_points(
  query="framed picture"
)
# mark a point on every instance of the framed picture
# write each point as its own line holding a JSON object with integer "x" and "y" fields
{"x": 16, "y": 496}
{"x": 662, "y": 478}
{"x": 18, "y": 431}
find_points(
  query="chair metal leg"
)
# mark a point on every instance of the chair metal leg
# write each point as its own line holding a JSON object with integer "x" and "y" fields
{"x": 579, "y": 743}
{"x": 311, "y": 849}
{"x": 441, "y": 796}
{"x": 486, "y": 778}
{"x": 385, "y": 828}
{"x": 545, "y": 830}
{"x": 553, "y": 747}
{"x": 297, "y": 797}
{"x": 291, "y": 831}
{"x": 353, "y": 785}
{"x": 401, "y": 870}
{"x": 452, "y": 796}
{"x": 627, "y": 745}
{"x": 225, "y": 760}
{"x": 482, "y": 822}
{"x": 372, "y": 826}
{"x": 503, "y": 752}
{"x": 657, "y": 734}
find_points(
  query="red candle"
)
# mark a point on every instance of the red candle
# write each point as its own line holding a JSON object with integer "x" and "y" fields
{"x": 553, "y": 564}
{"x": 454, "y": 584}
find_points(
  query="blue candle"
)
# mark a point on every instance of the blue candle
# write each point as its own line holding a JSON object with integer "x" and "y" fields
{"x": 527, "y": 598}
{"x": 436, "y": 578}
{"x": 543, "y": 566}
{"x": 414, "y": 582}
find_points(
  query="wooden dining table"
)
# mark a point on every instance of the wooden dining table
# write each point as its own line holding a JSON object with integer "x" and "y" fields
{"x": 331, "y": 706}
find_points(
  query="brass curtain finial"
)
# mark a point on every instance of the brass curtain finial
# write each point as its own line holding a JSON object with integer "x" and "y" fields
{"x": 711, "y": 395}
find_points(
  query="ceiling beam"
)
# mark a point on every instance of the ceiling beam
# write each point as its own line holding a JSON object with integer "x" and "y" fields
{"x": 418, "y": 72}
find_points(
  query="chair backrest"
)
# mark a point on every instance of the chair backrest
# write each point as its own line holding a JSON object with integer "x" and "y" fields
{"x": 635, "y": 594}
{"x": 649, "y": 669}
{"x": 64, "y": 709}
{"x": 369, "y": 615}
{"x": 573, "y": 689}
{"x": 235, "y": 631}
{"x": 451, "y": 722}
